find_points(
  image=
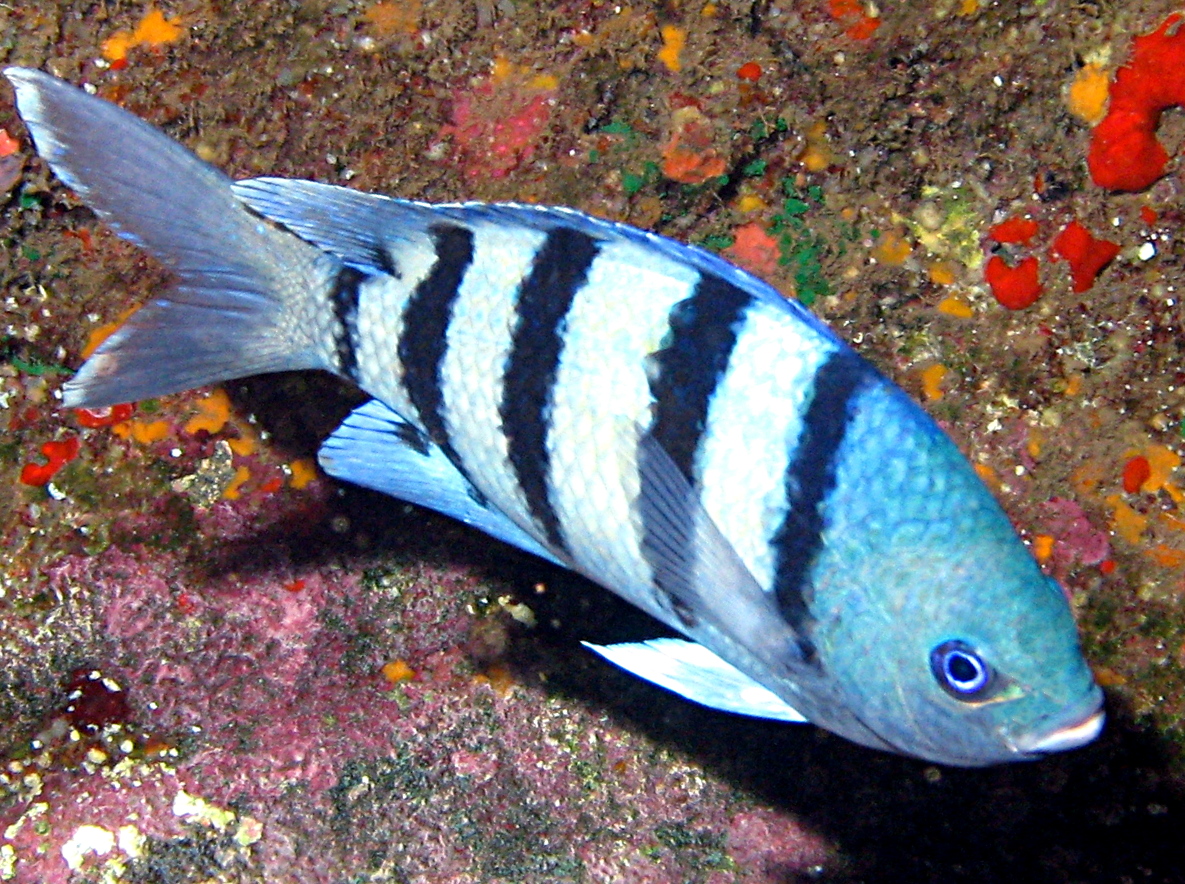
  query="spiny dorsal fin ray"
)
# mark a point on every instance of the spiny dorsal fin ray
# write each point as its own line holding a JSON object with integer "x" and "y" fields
{"x": 360, "y": 228}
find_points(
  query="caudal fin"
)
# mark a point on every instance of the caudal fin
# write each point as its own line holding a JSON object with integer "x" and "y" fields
{"x": 250, "y": 297}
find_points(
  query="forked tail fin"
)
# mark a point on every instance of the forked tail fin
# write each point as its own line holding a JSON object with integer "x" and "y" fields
{"x": 250, "y": 297}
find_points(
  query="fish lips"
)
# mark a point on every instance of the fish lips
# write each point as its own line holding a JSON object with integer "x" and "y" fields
{"x": 1077, "y": 726}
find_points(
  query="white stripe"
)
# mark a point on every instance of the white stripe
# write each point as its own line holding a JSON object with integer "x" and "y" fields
{"x": 381, "y": 302}
{"x": 601, "y": 397}
{"x": 753, "y": 426}
{"x": 479, "y": 342}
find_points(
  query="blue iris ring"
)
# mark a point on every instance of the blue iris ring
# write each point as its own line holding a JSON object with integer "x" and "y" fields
{"x": 961, "y": 672}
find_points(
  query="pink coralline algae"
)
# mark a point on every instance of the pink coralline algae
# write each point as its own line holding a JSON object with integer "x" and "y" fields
{"x": 1076, "y": 540}
{"x": 245, "y": 656}
{"x": 496, "y": 126}
{"x": 769, "y": 846}
{"x": 252, "y": 719}
{"x": 46, "y": 842}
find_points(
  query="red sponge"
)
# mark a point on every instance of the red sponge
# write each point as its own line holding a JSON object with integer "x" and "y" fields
{"x": 1124, "y": 153}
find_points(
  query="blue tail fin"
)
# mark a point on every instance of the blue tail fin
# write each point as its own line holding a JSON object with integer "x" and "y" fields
{"x": 250, "y": 297}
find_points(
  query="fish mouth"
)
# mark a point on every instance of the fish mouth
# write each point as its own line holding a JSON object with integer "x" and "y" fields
{"x": 1071, "y": 730}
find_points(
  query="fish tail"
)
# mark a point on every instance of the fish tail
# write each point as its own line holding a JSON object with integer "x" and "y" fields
{"x": 249, "y": 296}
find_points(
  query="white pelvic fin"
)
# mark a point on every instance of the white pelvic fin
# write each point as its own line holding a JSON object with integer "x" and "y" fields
{"x": 695, "y": 673}
{"x": 375, "y": 448}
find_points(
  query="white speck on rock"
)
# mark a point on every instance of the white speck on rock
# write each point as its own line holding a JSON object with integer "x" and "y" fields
{"x": 87, "y": 839}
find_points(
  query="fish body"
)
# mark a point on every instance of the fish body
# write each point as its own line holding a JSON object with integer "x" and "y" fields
{"x": 634, "y": 409}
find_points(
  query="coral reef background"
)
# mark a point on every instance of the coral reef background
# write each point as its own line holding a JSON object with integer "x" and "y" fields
{"x": 218, "y": 665}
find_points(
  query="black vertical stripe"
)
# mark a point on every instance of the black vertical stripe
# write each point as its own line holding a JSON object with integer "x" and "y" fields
{"x": 685, "y": 371}
{"x": 558, "y": 271}
{"x": 810, "y": 478}
{"x": 424, "y": 341}
{"x": 344, "y": 299}
{"x": 684, "y": 374}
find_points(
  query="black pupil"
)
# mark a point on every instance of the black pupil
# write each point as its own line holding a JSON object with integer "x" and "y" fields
{"x": 961, "y": 668}
{"x": 961, "y": 672}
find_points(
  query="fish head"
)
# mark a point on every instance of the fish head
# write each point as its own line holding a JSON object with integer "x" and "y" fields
{"x": 986, "y": 668}
{"x": 946, "y": 639}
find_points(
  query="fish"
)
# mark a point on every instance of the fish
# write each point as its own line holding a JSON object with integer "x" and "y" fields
{"x": 631, "y": 408}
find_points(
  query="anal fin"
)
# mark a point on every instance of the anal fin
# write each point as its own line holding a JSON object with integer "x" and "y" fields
{"x": 377, "y": 449}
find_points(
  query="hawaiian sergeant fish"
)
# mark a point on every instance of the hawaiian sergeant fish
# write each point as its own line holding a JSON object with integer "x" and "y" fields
{"x": 629, "y": 407}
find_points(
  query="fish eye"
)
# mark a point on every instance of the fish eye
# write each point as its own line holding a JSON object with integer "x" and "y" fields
{"x": 960, "y": 671}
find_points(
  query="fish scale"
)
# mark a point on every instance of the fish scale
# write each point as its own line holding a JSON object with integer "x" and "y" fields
{"x": 544, "y": 297}
{"x": 753, "y": 502}
{"x": 427, "y": 317}
{"x": 478, "y": 337}
{"x": 383, "y": 326}
{"x": 585, "y": 437}
{"x": 630, "y": 407}
{"x": 809, "y": 481}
